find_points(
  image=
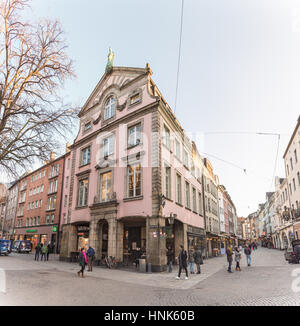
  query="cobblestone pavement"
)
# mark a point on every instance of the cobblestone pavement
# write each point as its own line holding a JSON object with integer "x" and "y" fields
{"x": 267, "y": 282}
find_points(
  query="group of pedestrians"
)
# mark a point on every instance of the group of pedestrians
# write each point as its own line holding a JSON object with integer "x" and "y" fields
{"x": 238, "y": 256}
{"x": 86, "y": 258}
{"x": 194, "y": 257}
{"x": 43, "y": 250}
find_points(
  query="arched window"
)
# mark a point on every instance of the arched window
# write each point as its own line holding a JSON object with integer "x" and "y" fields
{"x": 109, "y": 109}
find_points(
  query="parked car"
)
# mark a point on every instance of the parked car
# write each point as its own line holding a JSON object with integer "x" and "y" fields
{"x": 21, "y": 246}
{"x": 5, "y": 247}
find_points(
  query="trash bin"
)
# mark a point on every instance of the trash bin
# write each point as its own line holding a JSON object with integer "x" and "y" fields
{"x": 149, "y": 267}
{"x": 142, "y": 264}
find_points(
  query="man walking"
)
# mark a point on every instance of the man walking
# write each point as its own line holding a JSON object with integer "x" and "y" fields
{"x": 182, "y": 260}
{"x": 37, "y": 252}
{"x": 229, "y": 254}
{"x": 170, "y": 258}
{"x": 90, "y": 258}
{"x": 198, "y": 259}
{"x": 247, "y": 252}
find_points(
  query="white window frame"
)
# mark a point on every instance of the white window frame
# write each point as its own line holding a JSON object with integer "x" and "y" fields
{"x": 109, "y": 108}
{"x": 134, "y": 173}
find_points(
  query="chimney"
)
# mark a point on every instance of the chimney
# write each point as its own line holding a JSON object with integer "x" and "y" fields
{"x": 68, "y": 147}
{"x": 52, "y": 156}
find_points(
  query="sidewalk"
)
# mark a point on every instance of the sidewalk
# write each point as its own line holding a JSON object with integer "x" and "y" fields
{"x": 161, "y": 280}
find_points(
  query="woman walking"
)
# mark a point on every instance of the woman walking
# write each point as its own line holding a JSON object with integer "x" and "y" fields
{"x": 237, "y": 259}
{"x": 82, "y": 262}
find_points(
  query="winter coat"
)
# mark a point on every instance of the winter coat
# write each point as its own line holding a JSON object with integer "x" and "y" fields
{"x": 44, "y": 249}
{"x": 38, "y": 249}
{"x": 182, "y": 258}
{"x": 297, "y": 250}
{"x": 198, "y": 257}
{"x": 91, "y": 252}
{"x": 229, "y": 254}
{"x": 169, "y": 256}
{"x": 247, "y": 251}
{"x": 191, "y": 257}
{"x": 81, "y": 259}
{"x": 237, "y": 256}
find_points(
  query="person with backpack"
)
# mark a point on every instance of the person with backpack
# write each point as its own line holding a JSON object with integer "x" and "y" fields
{"x": 198, "y": 259}
{"x": 182, "y": 260}
{"x": 82, "y": 262}
{"x": 90, "y": 257}
{"x": 247, "y": 252}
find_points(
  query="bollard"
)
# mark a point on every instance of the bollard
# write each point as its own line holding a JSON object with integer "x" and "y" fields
{"x": 142, "y": 265}
{"x": 149, "y": 267}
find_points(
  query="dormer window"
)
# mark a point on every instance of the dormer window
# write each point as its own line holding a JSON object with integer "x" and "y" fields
{"x": 135, "y": 98}
{"x": 88, "y": 126}
{"x": 109, "y": 110}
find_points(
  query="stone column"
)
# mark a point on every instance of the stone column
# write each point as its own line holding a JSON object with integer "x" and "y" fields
{"x": 95, "y": 237}
{"x": 68, "y": 241}
{"x": 156, "y": 245}
{"x": 180, "y": 233}
{"x": 112, "y": 237}
{"x": 120, "y": 239}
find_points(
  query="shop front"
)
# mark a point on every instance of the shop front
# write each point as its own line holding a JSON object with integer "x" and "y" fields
{"x": 42, "y": 234}
{"x": 196, "y": 238}
{"x": 82, "y": 237}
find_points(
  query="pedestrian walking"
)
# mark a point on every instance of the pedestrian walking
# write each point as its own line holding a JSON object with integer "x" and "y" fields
{"x": 49, "y": 247}
{"x": 237, "y": 258}
{"x": 170, "y": 258}
{"x": 198, "y": 259}
{"x": 247, "y": 252}
{"x": 82, "y": 262}
{"x": 44, "y": 252}
{"x": 229, "y": 254}
{"x": 138, "y": 255}
{"x": 191, "y": 261}
{"x": 182, "y": 260}
{"x": 37, "y": 252}
{"x": 90, "y": 257}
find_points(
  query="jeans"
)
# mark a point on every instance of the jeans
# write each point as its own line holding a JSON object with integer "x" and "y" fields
{"x": 170, "y": 267}
{"x": 37, "y": 256}
{"x": 192, "y": 267}
{"x": 229, "y": 266}
{"x": 248, "y": 259}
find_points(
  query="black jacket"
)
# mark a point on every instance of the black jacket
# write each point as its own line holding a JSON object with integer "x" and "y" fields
{"x": 182, "y": 258}
{"x": 198, "y": 257}
{"x": 247, "y": 251}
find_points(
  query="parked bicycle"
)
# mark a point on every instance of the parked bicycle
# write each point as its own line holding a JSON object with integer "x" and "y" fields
{"x": 110, "y": 262}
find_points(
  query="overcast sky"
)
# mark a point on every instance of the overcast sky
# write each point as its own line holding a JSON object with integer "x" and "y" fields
{"x": 240, "y": 72}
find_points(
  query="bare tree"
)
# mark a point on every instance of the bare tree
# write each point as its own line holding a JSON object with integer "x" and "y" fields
{"x": 33, "y": 68}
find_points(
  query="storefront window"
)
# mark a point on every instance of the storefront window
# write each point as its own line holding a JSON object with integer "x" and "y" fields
{"x": 43, "y": 238}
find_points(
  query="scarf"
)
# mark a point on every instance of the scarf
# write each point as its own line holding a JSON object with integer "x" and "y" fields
{"x": 84, "y": 256}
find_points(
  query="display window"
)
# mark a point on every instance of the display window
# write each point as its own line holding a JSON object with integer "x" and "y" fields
{"x": 43, "y": 238}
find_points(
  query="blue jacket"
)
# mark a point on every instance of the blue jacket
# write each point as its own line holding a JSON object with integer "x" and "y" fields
{"x": 91, "y": 252}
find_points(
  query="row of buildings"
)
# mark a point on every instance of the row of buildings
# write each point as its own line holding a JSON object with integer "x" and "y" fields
{"x": 276, "y": 223}
{"x": 131, "y": 179}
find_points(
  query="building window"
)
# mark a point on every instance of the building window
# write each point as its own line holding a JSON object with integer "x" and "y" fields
{"x": 187, "y": 195}
{"x": 134, "y": 181}
{"x": 200, "y": 204}
{"x": 88, "y": 126}
{"x": 109, "y": 110}
{"x": 52, "y": 218}
{"x": 291, "y": 160}
{"x": 38, "y": 220}
{"x": 66, "y": 201}
{"x": 290, "y": 188}
{"x": 86, "y": 156}
{"x": 51, "y": 202}
{"x": 41, "y": 203}
{"x": 108, "y": 146}
{"x": 178, "y": 189}
{"x": 287, "y": 169}
{"x": 167, "y": 181}
{"x": 294, "y": 183}
{"x": 177, "y": 149}
{"x": 67, "y": 182}
{"x": 134, "y": 135}
{"x": 68, "y": 163}
{"x": 54, "y": 170}
{"x": 105, "y": 186}
{"x": 295, "y": 153}
{"x": 47, "y": 219}
{"x": 42, "y": 188}
{"x": 166, "y": 137}
{"x": 134, "y": 98}
{"x": 186, "y": 159}
{"x": 194, "y": 200}
{"x": 34, "y": 221}
{"x": 52, "y": 187}
{"x": 83, "y": 192}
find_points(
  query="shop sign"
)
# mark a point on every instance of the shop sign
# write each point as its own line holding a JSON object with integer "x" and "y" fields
{"x": 83, "y": 228}
{"x": 195, "y": 230}
{"x": 54, "y": 228}
{"x": 31, "y": 231}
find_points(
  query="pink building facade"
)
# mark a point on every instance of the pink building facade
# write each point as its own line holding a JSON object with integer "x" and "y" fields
{"x": 132, "y": 178}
